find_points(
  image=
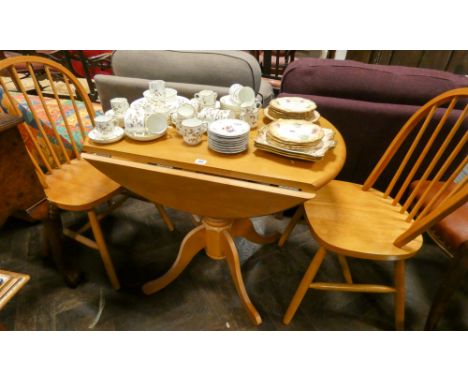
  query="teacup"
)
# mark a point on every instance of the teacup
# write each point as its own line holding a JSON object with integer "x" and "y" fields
{"x": 105, "y": 125}
{"x": 119, "y": 107}
{"x": 171, "y": 95}
{"x": 234, "y": 88}
{"x": 184, "y": 111}
{"x": 243, "y": 94}
{"x": 196, "y": 104}
{"x": 192, "y": 130}
{"x": 156, "y": 123}
{"x": 158, "y": 89}
{"x": 206, "y": 98}
{"x": 135, "y": 121}
{"x": 249, "y": 112}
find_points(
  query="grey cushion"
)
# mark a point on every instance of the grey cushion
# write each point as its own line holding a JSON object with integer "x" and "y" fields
{"x": 186, "y": 71}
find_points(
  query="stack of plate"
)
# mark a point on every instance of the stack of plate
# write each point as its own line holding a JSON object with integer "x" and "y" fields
{"x": 292, "y": 108}
{"x": 296, "y": 139}
{"x": 228, "y": 136}
{"x": 294, "y": 134}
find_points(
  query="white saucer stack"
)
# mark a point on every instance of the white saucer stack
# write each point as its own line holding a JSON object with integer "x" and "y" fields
{"x": 228, "y": 136}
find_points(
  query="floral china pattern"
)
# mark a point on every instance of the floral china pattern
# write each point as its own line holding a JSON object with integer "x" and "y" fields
{"x": 297, "y": 132}
{"x": 294, "y": 104}
{"x": 229, "y": 127}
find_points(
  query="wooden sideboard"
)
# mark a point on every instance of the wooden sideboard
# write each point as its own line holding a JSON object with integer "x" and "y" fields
{"x": 20, "y": 188}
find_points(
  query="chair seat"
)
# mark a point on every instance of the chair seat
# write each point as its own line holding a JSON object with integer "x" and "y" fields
{"x": 79, "y": 186}
{"x": 362, "y": 224}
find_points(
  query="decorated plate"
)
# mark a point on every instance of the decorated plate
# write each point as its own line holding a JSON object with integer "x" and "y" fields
{"x": 293, "y": 104}
{"x": 295, "y": 131}
{"x": 315, "y": 116}
{"x": 229, "y": 127}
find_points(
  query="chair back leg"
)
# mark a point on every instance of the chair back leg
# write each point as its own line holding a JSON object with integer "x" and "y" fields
{"x": 452, "y": 280}
{"x": 101, "y": 243}
{"x": 400, "y": 295}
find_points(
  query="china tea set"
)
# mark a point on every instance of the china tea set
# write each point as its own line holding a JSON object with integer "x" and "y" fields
{"x": 148, "y": 118}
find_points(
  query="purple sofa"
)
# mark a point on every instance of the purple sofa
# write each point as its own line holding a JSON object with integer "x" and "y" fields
{"x": 367, "y": 103}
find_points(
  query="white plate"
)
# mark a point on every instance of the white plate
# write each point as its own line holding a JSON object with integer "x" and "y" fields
{"x": 224, "y": 151}
{"x": 295, "y": 131}
{"x": 229, "y": 127}
{"x": 294, "y": 104}
{"x": 315, "y": 116}
{"x": 96, "y": 137}
{"x": 144, "y": 138}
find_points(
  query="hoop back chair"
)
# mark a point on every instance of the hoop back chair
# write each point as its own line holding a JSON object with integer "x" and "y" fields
{"x": 70, "y": 183}
{"x": 359, "y": 221}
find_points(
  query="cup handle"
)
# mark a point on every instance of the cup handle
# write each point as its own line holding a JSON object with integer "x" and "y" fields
{"x": 205, "y": 126}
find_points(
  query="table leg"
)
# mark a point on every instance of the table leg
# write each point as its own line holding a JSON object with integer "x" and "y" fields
{"x": 246, "y": 229}
{"x": 193, "y": 243}
{"x": 232, "y": 258}
{"x": 216, "y": 237}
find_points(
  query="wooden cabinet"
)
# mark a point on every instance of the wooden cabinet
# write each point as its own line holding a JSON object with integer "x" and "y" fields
{"x": 20, "y": 189}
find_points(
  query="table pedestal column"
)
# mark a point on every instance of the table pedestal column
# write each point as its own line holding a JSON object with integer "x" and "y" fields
{"x": 216, "y": 237}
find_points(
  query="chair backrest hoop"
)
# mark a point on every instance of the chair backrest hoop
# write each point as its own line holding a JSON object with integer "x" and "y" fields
{"x": 31, "y": 65}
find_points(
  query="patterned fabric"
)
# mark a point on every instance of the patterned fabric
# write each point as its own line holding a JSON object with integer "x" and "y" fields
{"x": 56, "y": 116}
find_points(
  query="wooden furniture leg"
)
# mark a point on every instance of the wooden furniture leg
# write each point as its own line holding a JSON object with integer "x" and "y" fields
{"x": 345, "y": 269}
{"x": 304, "y": 285}
{"x": 232, "y": 258}
{"x": 216, "y": 237}
{"x": 400, "y": 295}
{"x": 246, "y": 229}
{"x": 193, "y": 243}
{"x": 53, "y": 232}
{"x": 292, "y": 223}
{"x": 165, "y": 217}
{"x": 452, "y": 280}
{"x": 102, "y": 247}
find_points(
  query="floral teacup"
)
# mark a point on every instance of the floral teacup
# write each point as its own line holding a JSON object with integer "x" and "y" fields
{"x": 192, "y": 130}
{"x": 105, "y": 125}
{"x": 207, "y": 98}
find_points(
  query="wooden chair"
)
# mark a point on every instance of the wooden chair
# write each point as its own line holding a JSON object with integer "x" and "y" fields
{"x": 274, "y": 63}
{"x": 70, "y": 183}
{"x": 358, "y": 221}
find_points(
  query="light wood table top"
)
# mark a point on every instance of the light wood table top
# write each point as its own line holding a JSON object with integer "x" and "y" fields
{"x": 252, "y": 165}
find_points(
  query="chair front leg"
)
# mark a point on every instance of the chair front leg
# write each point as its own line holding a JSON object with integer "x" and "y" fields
{"x": 304, "y": 285}
{"x": 165, "y": 217}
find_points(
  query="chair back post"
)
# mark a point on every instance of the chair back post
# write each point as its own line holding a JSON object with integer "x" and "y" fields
{"x": 426, "y": 111}
{"x": 421, "y": 225}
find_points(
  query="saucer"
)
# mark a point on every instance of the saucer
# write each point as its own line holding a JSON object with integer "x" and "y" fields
{"x": 96, "y": 137}
{"x": 146, "y": 137}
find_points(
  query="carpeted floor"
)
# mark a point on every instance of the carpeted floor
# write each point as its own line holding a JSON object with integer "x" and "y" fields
{"x": 204, "y": 297}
